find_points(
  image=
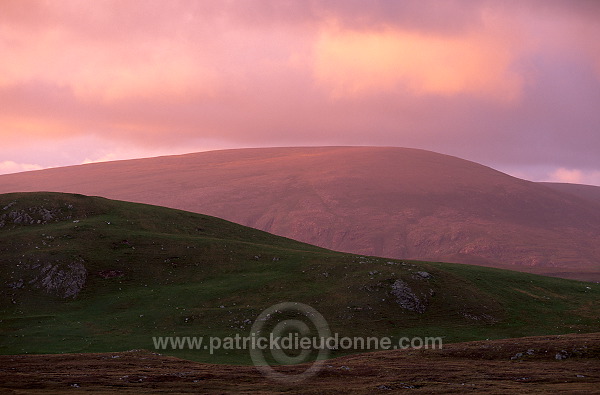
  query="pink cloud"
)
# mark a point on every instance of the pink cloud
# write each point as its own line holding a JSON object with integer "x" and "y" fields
{"x": 8, "y": 166}
{"x": 515, "y": 82}
{"x": 575, "y": 176}
{"x": 362, "y": 62}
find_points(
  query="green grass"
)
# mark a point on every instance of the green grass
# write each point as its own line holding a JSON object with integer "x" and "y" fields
{"x": 177, "y": 269}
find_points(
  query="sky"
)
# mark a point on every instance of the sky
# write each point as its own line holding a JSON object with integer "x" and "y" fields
{"x": 512, "y": 84}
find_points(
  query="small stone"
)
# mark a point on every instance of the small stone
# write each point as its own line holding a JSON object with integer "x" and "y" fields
{"x": 561, "y": 355}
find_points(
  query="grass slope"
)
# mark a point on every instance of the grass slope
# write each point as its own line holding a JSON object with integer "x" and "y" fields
{"x": 152, "y": 271}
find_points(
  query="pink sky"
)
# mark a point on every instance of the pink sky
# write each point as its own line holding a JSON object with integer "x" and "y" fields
{"x": 511, "y": 84}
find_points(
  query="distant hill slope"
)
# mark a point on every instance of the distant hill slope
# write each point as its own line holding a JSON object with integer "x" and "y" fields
{"x": 588, "y": 192}
{"x": 392, "y": 202}
{"x": 86, "y": 274}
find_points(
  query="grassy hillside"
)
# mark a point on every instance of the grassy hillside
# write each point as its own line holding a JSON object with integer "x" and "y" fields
{"x": 87, "y": 274}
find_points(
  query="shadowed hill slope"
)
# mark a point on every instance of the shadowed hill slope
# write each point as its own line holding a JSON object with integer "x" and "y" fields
{"x": 588, "y": 192}
{"x": 392, "y": 202}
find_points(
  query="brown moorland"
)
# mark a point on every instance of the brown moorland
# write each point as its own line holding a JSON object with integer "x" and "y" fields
{"x": 510, "y": 366}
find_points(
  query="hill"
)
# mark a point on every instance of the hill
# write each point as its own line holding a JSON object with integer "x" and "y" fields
{"x": 392, "y": 202}
{"x": 87, "y": 274}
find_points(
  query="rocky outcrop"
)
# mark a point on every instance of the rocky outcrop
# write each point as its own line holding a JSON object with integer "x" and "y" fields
{"x": 423, "y": 275}
{"x": 65, "y": 280}
{"x": 407, "y": 298}
{"x": 31, "y": 215}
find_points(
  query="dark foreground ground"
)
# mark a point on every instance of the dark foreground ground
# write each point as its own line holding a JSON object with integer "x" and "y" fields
{"x": 523, "y": 365}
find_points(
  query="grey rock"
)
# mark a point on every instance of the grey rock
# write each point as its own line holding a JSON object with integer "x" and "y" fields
{"x": 561, "y": 355}
{"x": 407, "y": 298}
{"x": 424, "y": 275}
{"x": 65, "y": 280}
{"x": 17, "y": 284}
{"x": 32, "y": 215}
{"x": 9, "y": 205}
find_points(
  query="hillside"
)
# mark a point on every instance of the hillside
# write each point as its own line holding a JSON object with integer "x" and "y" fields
{"x": 392, "y": 202}
{"x": 87, "y": 274}
{"x": 587, "y": 192}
